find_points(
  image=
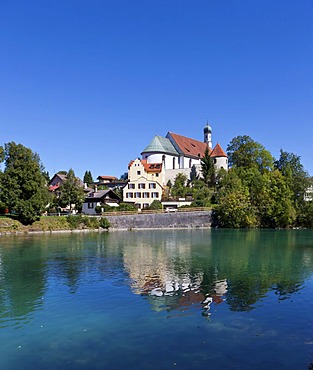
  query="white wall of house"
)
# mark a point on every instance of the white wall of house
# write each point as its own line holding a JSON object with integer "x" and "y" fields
{"x": 89, "y": 208}
{"x": 142, "y": 192}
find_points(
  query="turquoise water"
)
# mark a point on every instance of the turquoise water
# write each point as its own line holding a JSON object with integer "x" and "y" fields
{"x": 184, "y": 299}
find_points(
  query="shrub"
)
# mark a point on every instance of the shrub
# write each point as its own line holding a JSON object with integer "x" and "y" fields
{"x": 74, "y": 221}
{"x": 104, "y": 223}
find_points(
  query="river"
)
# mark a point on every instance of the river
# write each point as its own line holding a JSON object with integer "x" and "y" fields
{"x": 161, "y": 299}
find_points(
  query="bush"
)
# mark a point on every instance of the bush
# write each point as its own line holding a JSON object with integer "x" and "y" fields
{"x": 104, "y": 223}
{"x": 74, "y": 221}
{"x": 126, "y": 207}
{"x": 156, "y": 204}
{"x": 90, "y": 222}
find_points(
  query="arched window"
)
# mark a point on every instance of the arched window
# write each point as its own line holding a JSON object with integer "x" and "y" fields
{"x": 163, "y": 161}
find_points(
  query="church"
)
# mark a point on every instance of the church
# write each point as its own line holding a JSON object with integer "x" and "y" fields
{"x": 163, "y": 159}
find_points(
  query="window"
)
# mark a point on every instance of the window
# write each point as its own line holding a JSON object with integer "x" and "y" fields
{"x": 138, "y": 195}
{"x": 141, "y": 186}
{"x": 146, "y": 195}
{"x": 215, "y": 160}
{"x": 90, "y": 205}
{"x": 155, "y": 195}
{"x": 129, "y": 195}
{"x": 174, "y": 163}
{"x": 152, "y": 185}
{"x": 131, "y": 186}
{"x": 138, "y": 172}
{"x": 189, "y": 163}
{"x": 157, "y": 175}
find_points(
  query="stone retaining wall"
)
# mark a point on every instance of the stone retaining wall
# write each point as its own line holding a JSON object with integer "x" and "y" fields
{"x": 161, "y": 220}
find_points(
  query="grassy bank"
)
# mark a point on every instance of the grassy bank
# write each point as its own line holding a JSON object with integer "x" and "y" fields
{"x": 53, "y": 223}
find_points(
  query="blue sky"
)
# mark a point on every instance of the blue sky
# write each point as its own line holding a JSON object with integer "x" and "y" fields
{"x": 87, "y": 84}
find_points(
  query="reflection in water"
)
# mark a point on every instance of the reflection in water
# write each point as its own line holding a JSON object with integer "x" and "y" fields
{"x": 164, "y": 270}
{"x": 78, "y": 301}
{"x": 174, "y": 270}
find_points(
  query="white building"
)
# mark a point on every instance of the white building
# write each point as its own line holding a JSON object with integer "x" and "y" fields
{"x": 163, "y": 159}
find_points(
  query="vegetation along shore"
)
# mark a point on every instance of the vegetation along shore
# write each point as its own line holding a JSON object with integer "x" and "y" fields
{"x": 258, "y": 191}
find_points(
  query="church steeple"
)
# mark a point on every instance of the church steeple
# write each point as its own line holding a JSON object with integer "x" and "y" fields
{"x": 207, "y": 131}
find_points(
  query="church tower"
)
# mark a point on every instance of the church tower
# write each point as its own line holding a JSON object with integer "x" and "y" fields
{"x": 207, "y": 131}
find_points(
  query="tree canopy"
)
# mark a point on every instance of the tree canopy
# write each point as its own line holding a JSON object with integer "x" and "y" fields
{"x": 72, "y": 192}
{"x": 23, "y": 184}
{"x": 243, "y": 151}
{"x": 88, "y": 178}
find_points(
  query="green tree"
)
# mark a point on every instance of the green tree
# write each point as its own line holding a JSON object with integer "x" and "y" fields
{"x": 289, "y": 164}
{"x": 234, "y": 208}
{"x": 23, "y": 188}
{"x": 242, "y": 151}
{"x": 179, "y": 188}
{"x": 207, "y": 168}
{"x": 72, "y": 192}
{"x": 88, "y": 178}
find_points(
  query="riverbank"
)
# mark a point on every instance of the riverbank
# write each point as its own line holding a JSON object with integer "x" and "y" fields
{"x": 51, "y": 224}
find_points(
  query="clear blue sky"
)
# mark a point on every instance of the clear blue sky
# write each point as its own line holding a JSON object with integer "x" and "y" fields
{"x": 87, "y": 84}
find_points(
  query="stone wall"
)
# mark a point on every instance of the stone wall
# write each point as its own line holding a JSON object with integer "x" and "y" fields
{"x": 161, "y": 220}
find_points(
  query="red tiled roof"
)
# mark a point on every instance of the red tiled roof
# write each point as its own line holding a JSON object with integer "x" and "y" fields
{"x": 190, "y": 147}
{"x": 53, "y": 187}
{"x": 149, "y": 167}
{"x": 152, "y": 167}
{"x": 218, "y": 151}
{"x": 107, "y": 177}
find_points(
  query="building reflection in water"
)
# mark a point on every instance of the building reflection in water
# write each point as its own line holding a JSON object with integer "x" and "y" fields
{"x": 166, "y": 274}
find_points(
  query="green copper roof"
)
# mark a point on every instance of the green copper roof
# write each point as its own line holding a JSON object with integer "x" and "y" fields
{"x": 161, "y": 145}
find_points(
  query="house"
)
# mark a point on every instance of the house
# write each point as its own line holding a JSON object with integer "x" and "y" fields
{"x": 146, "y": 183}
{"x": 98, "y": 198}
{"x": 59, "y": 178}
{"x": 110, "y": 182}
{"x": 163, "y": 159}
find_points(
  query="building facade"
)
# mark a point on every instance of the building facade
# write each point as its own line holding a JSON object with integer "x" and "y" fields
{"x": 163, "y": 159}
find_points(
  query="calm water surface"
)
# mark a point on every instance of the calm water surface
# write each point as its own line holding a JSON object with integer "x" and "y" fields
{"x": 186, "y": 299}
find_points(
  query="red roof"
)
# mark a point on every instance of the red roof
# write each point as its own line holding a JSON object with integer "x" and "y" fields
{"x": 107, "y": 177}
{"x": 218, "y": 151}
{"x": 190, "y": 147}
{"x": 53, "y": 187}
{"x": 149, "y": 167}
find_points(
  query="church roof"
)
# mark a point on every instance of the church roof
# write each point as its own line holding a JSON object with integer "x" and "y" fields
{"x": 160, "y": 144}
{"x": 218, "y": 151}
{"x": 189, "y": 147}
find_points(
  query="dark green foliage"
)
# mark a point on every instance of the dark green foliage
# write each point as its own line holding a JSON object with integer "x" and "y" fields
{"x": 23, "y": 186}
{"x": 124, "y": 176}
{"x": 126, "y": 207}
{"x": 104, "y": 223}
{"x": 88, "y": 178}
{"x": 105, "y": 208}
{"x": 207, "y": 169}
{"x": 156, "y": 204}
{"x": 72, "y": 192}
{"x": 179, "y": 188}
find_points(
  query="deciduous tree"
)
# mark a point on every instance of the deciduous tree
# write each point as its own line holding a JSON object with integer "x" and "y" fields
{"x": 72, "y": 192}
{"x": 23, "y": 187}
